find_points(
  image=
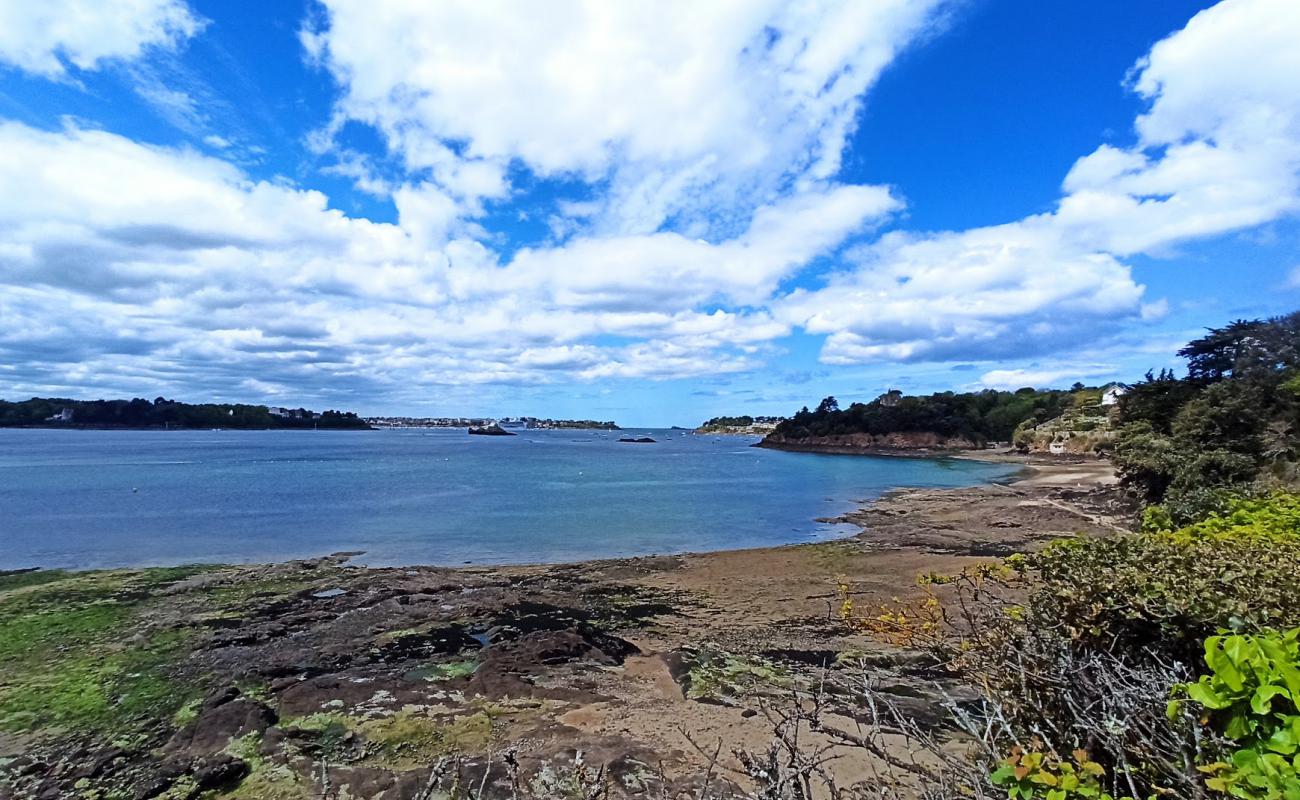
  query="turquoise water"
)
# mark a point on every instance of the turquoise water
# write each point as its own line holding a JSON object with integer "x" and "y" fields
{"x": 84, "y": 499}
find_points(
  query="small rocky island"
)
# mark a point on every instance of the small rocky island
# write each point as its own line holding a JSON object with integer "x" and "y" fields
{"x": 489, "y": 430}
{"x": 637, "y": 440}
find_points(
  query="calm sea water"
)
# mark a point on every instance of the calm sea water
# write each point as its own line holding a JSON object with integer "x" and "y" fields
{"x": 86, "y": 499}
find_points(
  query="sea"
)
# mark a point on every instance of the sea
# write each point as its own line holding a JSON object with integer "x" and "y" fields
{"x": 83, "y": 499}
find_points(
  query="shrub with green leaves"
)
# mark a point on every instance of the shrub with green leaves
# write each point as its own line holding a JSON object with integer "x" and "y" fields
{"x": 1252, "y": 698}
{"x": 1040, "y": 776}
{"x": 1165, "y": 591}
{"x": 1275, "y": 516}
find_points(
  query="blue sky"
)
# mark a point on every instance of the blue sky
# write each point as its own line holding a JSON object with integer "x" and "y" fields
{"x": 454, "y": 208}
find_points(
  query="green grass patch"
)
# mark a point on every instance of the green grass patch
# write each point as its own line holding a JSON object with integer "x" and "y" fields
{"x": 408, "y": 741}
{"x": 20, "y": 579}
{"x": 64, "y": 658}
{"x": 728, "y": 678}
{"x": 436, "y": 673}
{"x": 112, "y": 692}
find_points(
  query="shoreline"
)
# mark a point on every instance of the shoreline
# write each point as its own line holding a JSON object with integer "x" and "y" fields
{"x": 633, "y": 661}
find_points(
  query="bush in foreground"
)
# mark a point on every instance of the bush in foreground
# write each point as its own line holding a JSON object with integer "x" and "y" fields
{"x": 1078, "y": 649}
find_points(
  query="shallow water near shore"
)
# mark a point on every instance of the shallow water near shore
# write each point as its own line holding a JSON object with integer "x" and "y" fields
{"x": 88, "y": 499}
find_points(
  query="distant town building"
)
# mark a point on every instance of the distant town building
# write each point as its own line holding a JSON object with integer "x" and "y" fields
{"x": 890, "y": 398}
{"x": 1112, "y": 395}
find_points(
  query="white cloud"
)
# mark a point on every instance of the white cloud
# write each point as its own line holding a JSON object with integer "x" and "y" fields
{"x": 668, "y": 268}
{"x": 1012, "y": 379}
{"x": 1218, "y": 149}
{"x": 984, "y": 293}
{"x": 694, "y": 112}
{"x": 144, "y": 263}
{"x": 45, "y": 36}
{"x": 705, "y": 140}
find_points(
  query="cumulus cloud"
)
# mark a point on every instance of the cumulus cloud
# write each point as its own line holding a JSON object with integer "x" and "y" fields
{"x": 44, "y": 37}
{"x": 704, "y": 142}
{"x": 1012, "y": 379}
{"x": 693, "y": 114}
{"x": 985, "y": 293}
{"x": 706, "y": 138}
{"x": 147, "y": 263}
{"x": 1218, "y": 149}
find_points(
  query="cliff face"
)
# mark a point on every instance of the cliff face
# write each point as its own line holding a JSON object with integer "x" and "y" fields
{"x": 868, "y": 443}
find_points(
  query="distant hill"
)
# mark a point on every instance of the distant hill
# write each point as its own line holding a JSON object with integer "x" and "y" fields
{"x": 55, "y": 412}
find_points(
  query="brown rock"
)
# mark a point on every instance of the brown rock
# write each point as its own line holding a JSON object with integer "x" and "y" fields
{"x": 220, "y": 720}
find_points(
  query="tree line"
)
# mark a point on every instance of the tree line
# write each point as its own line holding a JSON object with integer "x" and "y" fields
{"x": 985, "y": 416}
{"x": 1231, "y": 425}
{"x": 164, "y": 413}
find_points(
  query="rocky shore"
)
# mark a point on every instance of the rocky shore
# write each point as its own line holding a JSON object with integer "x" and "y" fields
{"x": 865, "y": 444}
{"x": 319, "y": 679}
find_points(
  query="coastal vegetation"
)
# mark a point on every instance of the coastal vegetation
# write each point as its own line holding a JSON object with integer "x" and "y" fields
{"x": 1146, "y": 665}
{"x": 973, "y": 418}
{"x": 45, "y": 412}
{"x": 1086, "y": 426}
{"x": 1130, "y": 666}
{"x": 740, "y": 424}
{"x": 1230, "y": 426}
{"x": 1151, "y": 664}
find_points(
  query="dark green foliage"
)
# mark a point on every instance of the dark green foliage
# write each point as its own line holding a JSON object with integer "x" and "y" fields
{"x": 1214, "y": 356}
{"x": 1095, "y": 633}
{"x": 729, "y": 422}
{"x": 163, "y": 413}
{"x": 1231, "y": 422}
{"x": 1157, "y": 399}
{"x": 979, "y": 416}
{"x": 1243, "y": 349}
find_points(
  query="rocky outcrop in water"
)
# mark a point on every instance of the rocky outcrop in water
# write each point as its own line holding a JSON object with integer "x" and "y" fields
{"x": 490, "y": 430}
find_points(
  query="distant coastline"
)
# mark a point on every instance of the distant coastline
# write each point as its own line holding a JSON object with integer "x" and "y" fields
{"x": 529, "y": 423}
{"x": 164, "y": 414}
{"x": 61, "y": 413}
